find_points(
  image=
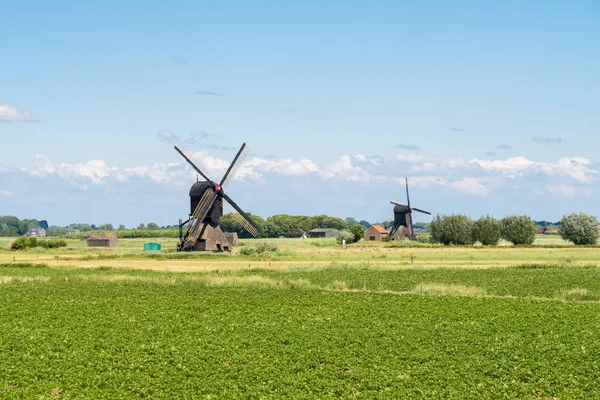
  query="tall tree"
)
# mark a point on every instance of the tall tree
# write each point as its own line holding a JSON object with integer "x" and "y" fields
{"x": 350, "y": 222}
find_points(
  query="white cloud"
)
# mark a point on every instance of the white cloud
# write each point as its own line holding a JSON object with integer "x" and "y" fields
{"x": 42, "y": 166}
{"x": 167, "y": 136}
{"x": 344, "y": 169}
{"x": 562, "y": 190}
{"x": 577, "y": 168}
{"x": 11, "y": 114}
{"x": 467, "y": 185}
{"x": 422, "y": 164}
{"x": 285, "y": 167}
{"x": 371, "y": 161}
{"x": 470, "y": 185}
{"x": 6, "y": 193}
{"x": 509, "y": 168}
{"x": 413, "y": 158}
{"x": 94, "y": 170}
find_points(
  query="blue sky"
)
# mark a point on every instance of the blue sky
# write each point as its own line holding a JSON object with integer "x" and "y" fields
{"x": 488, "y": 108}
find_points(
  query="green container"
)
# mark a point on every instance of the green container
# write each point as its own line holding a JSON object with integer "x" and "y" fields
{"x": 151, "y": 246}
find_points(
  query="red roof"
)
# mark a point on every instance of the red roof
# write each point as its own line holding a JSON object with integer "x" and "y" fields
{"x": 379, "y": 228}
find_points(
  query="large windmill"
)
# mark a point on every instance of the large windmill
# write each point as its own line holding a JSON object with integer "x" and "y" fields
{"x": 207, "y": 201}
{"x": 403, "y": 222}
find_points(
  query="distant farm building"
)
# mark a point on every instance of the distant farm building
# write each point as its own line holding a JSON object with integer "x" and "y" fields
{"x": 232, "y": 237}
{"x": 102, "y": 240}
{"x": 322, "y": 233}
{"x": 548, "y": 230}
{"x": 375, "y": 233}
{"x": 36, "y": 232}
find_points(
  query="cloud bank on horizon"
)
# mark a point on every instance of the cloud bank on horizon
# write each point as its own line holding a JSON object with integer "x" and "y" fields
{"x": 471, "y": 177}
{"x": 358, "y": 176}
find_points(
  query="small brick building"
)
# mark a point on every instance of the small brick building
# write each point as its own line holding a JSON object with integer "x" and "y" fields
{"x": 375, "y": 233}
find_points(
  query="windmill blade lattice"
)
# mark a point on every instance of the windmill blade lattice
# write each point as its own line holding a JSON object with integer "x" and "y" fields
{"x": 238, "y": 161}
{"x": 195, "y": 217}
{"x": 239, "y": 218}
{"x": 189, "y": 157}
{"x": 203, "y": 211}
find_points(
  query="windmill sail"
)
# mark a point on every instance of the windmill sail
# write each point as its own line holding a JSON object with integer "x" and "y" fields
{"x": 247, "y": 224}
{"x": 237, "y": 162}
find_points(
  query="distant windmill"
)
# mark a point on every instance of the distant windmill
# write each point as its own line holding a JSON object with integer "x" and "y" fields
{"x": 403, "y": 222}
{"x": 207, "y": 200}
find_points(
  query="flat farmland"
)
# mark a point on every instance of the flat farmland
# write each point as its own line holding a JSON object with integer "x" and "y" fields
{"x": 315, "y": 253}
{"x": 311, "y": 320}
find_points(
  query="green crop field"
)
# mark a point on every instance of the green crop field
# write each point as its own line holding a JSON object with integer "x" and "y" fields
{"x": 312, "y": 320}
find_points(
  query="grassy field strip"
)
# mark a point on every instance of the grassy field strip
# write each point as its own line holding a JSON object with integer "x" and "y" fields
{"x": 176, "y": 261}
{"x": 203, "y": 266}
{"x": 423, "y": 289}
{"x": 557, "y": 283}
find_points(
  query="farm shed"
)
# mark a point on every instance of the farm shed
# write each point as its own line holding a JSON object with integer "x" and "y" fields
{"x": 232, "y": 237}
{"x": 375, "y": 233}
{"x": 102, "y": 240}
{"x": 322, "y": 233}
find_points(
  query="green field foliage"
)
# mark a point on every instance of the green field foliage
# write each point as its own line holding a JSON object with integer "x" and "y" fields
{"x": 301, "y": 319}
{"x": 112, "y": 333}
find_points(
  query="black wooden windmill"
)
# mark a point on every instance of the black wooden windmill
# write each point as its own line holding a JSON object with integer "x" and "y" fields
{"x": 403, "y": 222}
{"x": 207, "y": 201}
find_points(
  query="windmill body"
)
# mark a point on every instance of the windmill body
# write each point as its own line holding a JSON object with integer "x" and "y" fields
{"x": 208, "y": 201}
{"x": 403, "y": 222}
{"x": 197, "y": 190}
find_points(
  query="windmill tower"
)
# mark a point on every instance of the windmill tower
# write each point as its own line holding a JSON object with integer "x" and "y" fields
{"x": 403, "y": 222}
{"x": 208, "y": 200}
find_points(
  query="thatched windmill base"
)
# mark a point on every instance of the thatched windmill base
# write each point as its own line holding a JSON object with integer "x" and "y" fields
{"x": 400, "y": 234}
{"x": 213, "y": 239}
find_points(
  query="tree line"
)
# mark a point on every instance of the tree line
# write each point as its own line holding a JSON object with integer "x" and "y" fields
{"x": 578, "y": 228}
{"x": 272, "y": 227}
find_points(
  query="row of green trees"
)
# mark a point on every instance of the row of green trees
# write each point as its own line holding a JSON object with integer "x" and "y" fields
{"x": 579, "y": 228}
{"x": 60, "y": 230}
{"x": 284, "y": 225}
